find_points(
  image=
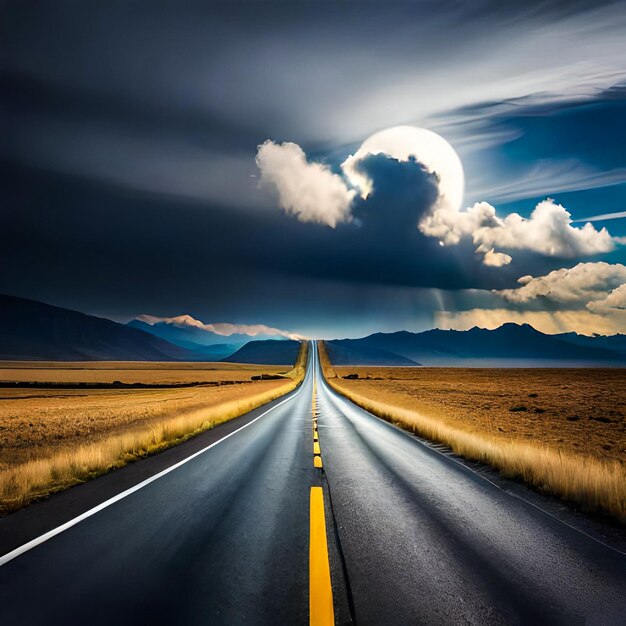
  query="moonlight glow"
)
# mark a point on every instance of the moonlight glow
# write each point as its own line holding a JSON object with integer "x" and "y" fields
{"x": 427, "y": 147}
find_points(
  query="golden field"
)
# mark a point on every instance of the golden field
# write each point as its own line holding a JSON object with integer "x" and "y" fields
{"x": 129, "y": 371}
{"x": 561, "y": 430}
{"x": 53, "y": 438}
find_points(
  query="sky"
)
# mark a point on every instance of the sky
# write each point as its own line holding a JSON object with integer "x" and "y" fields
{"x": 193, "y": 158}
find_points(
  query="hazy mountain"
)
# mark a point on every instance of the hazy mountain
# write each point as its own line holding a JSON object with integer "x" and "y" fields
{"x": 191, "y": 338}
{"x": 36, "y": 331}
{"x": 616, "y": 343}
{"x": 194, "y": 337}
{"x": 216, "y": 352}
{"x": 511, "y": 344}
{"x": 342, "y": 354}
{"x": 270, "y": 352}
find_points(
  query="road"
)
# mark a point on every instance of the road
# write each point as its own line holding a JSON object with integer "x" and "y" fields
{"x": 235, "y": 534}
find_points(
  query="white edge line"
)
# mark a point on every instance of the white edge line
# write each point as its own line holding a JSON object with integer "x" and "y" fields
{"x": 424, "y": 442}
{"x": 103, "y": 505}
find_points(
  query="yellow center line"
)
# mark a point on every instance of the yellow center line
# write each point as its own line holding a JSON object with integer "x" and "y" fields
{"x": 321, "y": 612}
{"x": 317, "y": 454}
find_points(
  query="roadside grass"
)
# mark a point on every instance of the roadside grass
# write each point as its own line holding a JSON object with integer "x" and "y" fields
{"x": 129, "y": 372}
{"x": 590, "y": 482}
{"x": 59, "y": 468}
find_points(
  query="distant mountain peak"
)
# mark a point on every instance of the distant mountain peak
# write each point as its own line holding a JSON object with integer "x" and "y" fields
{"x": 34, "y": 330}
{"x": 504, "y": 346}
{"x": 515, "y": 327}
{"x": 270, "y": 352}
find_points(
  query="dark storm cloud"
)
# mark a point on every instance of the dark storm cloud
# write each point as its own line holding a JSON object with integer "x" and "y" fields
{"x": 383, "y": 245}
{"x": 130, "y": 253}
{"x": 27, "y": 96}
{"x": 87, "y": 236}
{"x": 129, "y": 130}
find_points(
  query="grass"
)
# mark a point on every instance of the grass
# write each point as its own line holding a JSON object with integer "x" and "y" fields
{"x": 53, "y": 440}
{"x": 560, "y": 431}
{"x": 129, "y": 372}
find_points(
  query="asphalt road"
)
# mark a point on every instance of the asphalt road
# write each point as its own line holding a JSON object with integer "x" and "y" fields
{"x": 413, "y": 536}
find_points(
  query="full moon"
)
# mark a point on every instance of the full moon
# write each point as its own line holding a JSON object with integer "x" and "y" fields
{"x": 427, "y": 147}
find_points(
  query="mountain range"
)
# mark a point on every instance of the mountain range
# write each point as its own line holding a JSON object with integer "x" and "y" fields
{"x": 31, "y": 330}
{"x": 509, "y": 345}
{"x": 202, "y": 342}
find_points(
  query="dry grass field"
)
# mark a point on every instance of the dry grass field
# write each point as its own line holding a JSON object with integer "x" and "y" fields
{"x": 561, "y": 430}
{"x": 129, "y": 372}
{"x": 53, "y": 438}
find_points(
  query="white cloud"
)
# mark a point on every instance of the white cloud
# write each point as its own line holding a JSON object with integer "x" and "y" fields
{"x": 614, "y": 303}
{"x": 493, "y": 258}
{"x": 582, "y": 284}
{"x": 605, "y": 216}
{"x": 313, "y": 193}
{"x": 547, "y": 231}
{"x": 224, "y": 329}
{"x": 591, "y": 298}
{"x": 310, "y": 191}
{"x": 450, "y": 225}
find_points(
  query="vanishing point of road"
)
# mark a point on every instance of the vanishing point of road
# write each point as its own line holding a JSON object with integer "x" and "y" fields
{"x": 308, "y": 510}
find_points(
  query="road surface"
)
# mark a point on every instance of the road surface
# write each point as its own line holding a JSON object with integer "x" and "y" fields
{"x": 245, "y": 530}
